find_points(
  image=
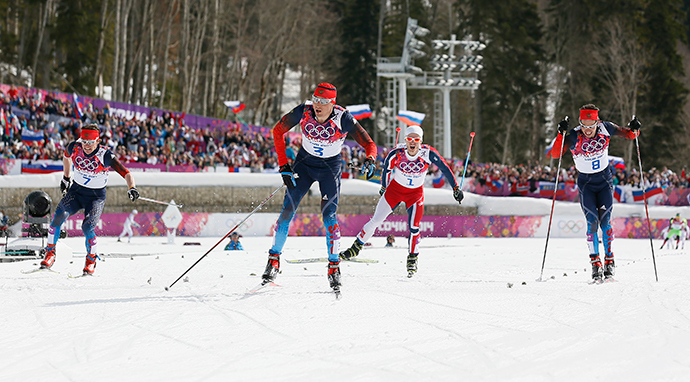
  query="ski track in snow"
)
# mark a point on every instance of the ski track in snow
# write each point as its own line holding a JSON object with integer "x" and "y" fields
{"x": 465, "y": 315}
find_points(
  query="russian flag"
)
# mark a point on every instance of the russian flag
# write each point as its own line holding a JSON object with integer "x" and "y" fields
{"x": 617, "y": 162}
{"x": 618, "y": 194}
{"x": 29, "y": 136}
{"x": 654, "y": 191}
{"x": 638, "y": 195}
{"x": 548, "y": 149}
{"x": 438, "y": 180}
{"x": 359, "y": 111}
{"x": 77, "y": 106}
{"x": 236, "y": 106}
{"x": 40, "y": 168}
{"x": 495, "y": 185}
{"x": 3, "y": 119}
{"x": 410, "y": 117}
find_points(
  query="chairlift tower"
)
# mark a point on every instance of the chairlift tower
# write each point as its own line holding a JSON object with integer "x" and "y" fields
{"x": 448, "y": 72}
{"x": 398, "y": 70}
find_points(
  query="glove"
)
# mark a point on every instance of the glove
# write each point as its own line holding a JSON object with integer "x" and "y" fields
{"x": 64, "y": 185}
{"x": 634, "y": 124}
{"x": 563, "y": 126}
{"x": 458, "y": 195}
{"x": 368, "y": 168}
{"x": 288, "y": 175}
{"x": 133, "y": 194}
{"x": 382, "y": 191}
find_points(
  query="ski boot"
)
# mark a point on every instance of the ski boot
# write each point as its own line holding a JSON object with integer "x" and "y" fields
{"x": 609, "y": 267}
{"x": 411, "y": 264}
{"x": 352, "y": 251}
{"x": 90, "y": 265}
{"x": 597, "y": 270}
{"x": 272, "y": 268}
{"x": 49, "y": 258}
{"x": 334, "y": 275}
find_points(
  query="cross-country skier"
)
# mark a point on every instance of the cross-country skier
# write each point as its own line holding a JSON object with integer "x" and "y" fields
{"x": 589, "y": 144}
{"x": 85, "y": 190}
{"x": 127, "y": 227}
{"x": 402, "y": 181}
{"x": 678, "y": 228}
{"x": 324, "y": 126}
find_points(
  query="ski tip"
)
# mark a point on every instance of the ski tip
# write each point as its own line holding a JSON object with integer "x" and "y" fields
{"x": 167, "y": 289}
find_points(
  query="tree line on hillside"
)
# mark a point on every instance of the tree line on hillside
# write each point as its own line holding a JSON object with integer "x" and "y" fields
{"x": 543, "y": 59}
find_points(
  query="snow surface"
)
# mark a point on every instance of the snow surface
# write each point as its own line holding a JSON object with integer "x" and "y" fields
{"x": 465, "y": 316}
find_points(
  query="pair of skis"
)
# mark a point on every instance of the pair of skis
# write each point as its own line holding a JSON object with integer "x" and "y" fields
{"x": 48, "y": 270}
{"x": 265, "y": 283}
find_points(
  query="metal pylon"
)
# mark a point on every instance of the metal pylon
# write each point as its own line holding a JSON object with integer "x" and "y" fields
{"x": 438, "y": 119}
{"x": 392, "y": 105}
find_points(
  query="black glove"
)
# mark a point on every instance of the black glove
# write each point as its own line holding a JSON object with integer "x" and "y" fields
{"x": 288, "y": 175}
{"x": 382, "y": 191}
{"x": 634, "y": 124}
{"x": 368, "y": 168}
{"x": 458, "y": 195}
{"x": 64, "y": 185}
{"x": 563, "y": 125}
{"x": 133, "y": 194}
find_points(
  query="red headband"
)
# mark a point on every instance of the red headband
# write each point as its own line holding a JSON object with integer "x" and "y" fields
{"x": 326, "y": 90}
{"x": 89, "y": 135}
{"x": 589, "y": 114}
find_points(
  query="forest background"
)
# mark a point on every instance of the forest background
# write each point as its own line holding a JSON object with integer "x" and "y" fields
{"x": 543, "y": 60}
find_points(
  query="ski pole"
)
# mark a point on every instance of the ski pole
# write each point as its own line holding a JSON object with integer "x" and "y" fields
{"x": 467, "y": 160}
{"x": 553, "y": 203}
{"x": 646, "y": 210}
{"x": 227, "y": 234}
{"x": 159, "y": 202}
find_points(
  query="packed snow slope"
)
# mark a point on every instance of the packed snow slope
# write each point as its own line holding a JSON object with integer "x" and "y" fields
{"x": 473, "y": 312}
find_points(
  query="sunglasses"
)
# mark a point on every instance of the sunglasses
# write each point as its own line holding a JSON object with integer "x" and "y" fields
{"x": 410, "y": 139}
{"x": 89, "y": 141}
{"x": 588, "y": 127}
{"x": 321, "y": 100}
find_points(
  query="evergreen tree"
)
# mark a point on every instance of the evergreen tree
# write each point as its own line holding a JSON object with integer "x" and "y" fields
{"x": 510, "y": 79}
{"x": 76, "y": 39}
{"x": 664, "y": 96}
{"x": 356, "y": 62}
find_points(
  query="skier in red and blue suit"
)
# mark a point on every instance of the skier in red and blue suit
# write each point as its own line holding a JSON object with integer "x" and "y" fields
{"x": 589, "y": 144}
{"x": 324, "y": 126}
{"x": 85, "y": 190}
{"x": 402, "y": 181}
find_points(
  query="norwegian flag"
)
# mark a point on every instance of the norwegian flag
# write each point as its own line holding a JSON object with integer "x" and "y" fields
{"x": 236, "y": 106}
{"x": 359, "y": 111}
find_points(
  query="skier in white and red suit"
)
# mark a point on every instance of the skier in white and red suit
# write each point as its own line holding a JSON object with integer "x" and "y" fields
{"x": 402, "y": 181}
{"x": 589, "y": 144}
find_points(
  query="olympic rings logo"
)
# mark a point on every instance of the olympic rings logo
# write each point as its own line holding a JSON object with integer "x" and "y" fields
{"x": 594, "y": 145}
{"x": 319, "y": 131}
{"x": 86, "y": 164}
{"x": 571, "y": 226}
{"x": 411, "y": 167}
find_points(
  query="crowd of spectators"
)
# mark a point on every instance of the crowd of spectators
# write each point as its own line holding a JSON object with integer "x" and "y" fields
{"x": 165, "y": 139}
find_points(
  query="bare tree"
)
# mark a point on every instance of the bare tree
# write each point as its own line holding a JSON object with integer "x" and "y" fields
{"x": 620, "y": 60}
